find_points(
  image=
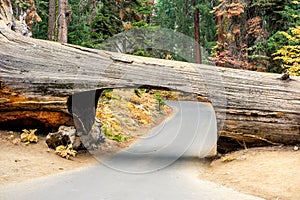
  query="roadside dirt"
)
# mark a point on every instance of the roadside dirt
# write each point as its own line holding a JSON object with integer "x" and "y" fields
{"x": 270, "y": 172}
{"x": 20, "y": 162}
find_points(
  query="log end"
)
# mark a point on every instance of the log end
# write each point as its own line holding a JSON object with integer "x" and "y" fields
{"x": 19, "y": 111}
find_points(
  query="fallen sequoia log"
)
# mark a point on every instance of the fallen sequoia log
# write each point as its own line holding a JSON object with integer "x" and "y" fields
{"x": 38, "y": 79}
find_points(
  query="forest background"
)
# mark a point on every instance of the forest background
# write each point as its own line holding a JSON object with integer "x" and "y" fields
{"x": 258, "y": 35}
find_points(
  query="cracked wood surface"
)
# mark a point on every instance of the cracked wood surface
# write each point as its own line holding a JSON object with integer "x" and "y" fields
{"x": 39, "y": 76}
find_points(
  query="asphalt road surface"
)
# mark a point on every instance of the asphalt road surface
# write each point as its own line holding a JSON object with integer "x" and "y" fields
{"x": 163, "y": 165}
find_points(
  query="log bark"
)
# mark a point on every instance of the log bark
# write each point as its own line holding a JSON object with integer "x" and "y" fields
{"x": 6, "y": 13}
{"x": 38, "y": 77}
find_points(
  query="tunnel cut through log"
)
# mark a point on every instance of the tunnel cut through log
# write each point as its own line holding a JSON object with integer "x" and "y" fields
{"x": 37, "y": 77}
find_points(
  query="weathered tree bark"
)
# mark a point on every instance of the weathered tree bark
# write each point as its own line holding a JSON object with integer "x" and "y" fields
{"x": 52, "y": 20}
{"x": 6, "y": 13}
{"x": 62, "y": 21}
{"x": 37, "y": 77}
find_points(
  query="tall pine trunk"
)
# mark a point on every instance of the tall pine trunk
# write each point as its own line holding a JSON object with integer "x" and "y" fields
{"x": 197, "y": 32}
{"x": 62, "y": 21}
{"x": 52, "y": 20}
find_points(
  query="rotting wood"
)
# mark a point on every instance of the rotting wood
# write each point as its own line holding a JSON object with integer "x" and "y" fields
{"x": 38, "y": 76}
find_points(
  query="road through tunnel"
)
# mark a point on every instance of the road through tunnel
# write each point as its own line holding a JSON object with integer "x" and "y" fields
{"x": 125, "y": 112}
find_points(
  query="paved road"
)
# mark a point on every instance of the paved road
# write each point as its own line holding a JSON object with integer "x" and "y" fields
{"x": 189, "y": 132}
{"x": 150, "y": 169}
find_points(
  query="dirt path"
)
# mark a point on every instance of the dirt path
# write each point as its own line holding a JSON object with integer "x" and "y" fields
{"x": 270, "y": 172}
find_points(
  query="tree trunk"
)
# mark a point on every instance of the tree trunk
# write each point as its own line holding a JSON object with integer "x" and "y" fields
{"x": 38, "y": 77}
{"x": 6, "y": 13}
{"x": 197, "y": 33}
{"x": 52, "y": 20}
{"x": 220, "y": 37}
{"x": 62, "y": 21}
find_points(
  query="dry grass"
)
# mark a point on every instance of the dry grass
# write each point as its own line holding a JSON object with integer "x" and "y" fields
{"x": 123, "y": 111}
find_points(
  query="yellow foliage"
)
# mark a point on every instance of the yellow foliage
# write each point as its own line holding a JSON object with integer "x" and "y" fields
{"x": 28, "y": 136}
{"x": 290, "y": 54}
{"x": 296, "y": 32}
{"x": 296, "y": 2}
{"x": 124, "y": 110}
{"x": 65, "y": 151}
{"x": 139, "y": 113}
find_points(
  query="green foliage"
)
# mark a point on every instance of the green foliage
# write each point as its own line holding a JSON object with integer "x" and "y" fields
{"x": 140, "y": 24}
{"x": 252, "y": 46}
{"x": 178, "y": 15}
{"x": 40, "y": 29}
{"x": 106, "y": 22}
{"x": 251, "y": 30}
{"x": 142, "y": 90}
{"x": 94, "y": 22}
{"x": 110, "y": 133}
{"x": 276, "y": 41}
{"x": 270, "y": 11}
{"x": 159, "y": 100}
{"x": 79, "y": 28}
{"x": 291, "y": 13}
{"x": 19, "y": 5}
{"x": 281, "y": 46}
{"x": 107, "y": 94}
{"x": 141, "y": 52}
{"x": 207, "y": 25}
{"x": 165, "y": 14}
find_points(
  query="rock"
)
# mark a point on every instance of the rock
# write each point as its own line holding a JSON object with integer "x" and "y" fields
{"x": 11, "y": 137}
{"x": 64, "y": 136}
{"x": 296, "y": 148}
{"x": 16, "y": 141}
{"x": 68, "y": 135}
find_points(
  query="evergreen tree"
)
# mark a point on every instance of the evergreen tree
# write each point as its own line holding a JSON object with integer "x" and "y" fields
{"x": 106, "y": 22}
{"x": 179, "y": 15}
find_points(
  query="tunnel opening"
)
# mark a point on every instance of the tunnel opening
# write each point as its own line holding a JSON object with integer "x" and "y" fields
{"x": 83, "y": 106}
{"x": 28, "y": 123}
